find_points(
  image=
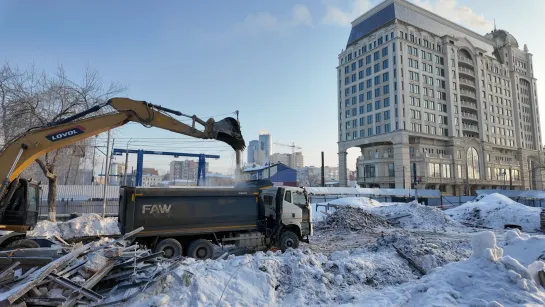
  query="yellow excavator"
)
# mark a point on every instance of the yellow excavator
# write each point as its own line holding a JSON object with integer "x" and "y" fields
{"x": 19, "y": 198}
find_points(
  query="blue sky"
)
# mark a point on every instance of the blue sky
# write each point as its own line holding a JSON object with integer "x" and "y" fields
{"x": 274, "y": 61}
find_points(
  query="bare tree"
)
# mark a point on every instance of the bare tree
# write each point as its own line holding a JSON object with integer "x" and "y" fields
{"x": 38, "y": 99}
{"x": 309, "y": 179}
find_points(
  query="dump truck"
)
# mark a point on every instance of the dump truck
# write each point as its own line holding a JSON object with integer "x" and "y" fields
{"x": 189, "y": 221}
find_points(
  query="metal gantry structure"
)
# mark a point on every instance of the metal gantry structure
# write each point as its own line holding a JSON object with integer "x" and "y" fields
{"x": 201, "y": 170}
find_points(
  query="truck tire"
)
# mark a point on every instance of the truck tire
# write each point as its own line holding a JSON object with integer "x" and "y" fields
{"x": 171, "y": 248}
{"x": 201, "y": 249}
{"x": 23, "y": 243}
{"x": 288, "y": 239}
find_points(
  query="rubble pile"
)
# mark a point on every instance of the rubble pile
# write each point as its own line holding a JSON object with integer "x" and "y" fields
{"x": 79, "y": 274}
{"x": 353, "y": 219}
{"x": 425, "y": 253}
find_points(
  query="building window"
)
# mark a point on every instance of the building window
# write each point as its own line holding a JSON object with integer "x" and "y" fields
{"x": 391, "y": 171}
{"x": 473, "y": 170}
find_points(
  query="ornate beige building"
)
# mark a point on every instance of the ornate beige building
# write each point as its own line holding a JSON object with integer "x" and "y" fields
{"x": 417, "y": 92}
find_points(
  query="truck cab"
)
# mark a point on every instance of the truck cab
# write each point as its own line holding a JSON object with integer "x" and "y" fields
{"x": 289, "y": 208}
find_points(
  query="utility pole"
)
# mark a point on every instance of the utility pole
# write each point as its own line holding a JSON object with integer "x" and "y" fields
{"x": 107, "y": 175}
{"x": 93, "y": 166}
{"x": 323, "y": 171}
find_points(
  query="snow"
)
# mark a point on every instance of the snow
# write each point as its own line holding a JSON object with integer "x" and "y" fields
{"x": 84, "y": 226}
{"x": 416, "y": 216}
{"x": 525, "y": 248}
{"x": 357, "y": 277}
{"x": 495, "y": 211}
{"x": 358, "y": 202}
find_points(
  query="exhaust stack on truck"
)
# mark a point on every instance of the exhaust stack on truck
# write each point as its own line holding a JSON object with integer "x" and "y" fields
{"x": 189, "y": 221}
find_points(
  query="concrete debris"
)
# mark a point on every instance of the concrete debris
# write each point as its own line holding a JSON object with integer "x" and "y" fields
{"x": 353, "y": 219}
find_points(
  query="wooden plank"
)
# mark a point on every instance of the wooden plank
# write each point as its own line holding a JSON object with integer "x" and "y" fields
{"x": 17, "y": 291}
{"x": 75, "y": 287}
{"x": 89, "y": 284}
{"x": 8, "y": 270}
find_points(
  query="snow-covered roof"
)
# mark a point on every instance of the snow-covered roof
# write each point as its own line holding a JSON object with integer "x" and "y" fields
{"x": 372, "y": 191}
{"x": 219, "y": 175}
{"x": 531, "y": 194}
{"x": 262, "y": 167}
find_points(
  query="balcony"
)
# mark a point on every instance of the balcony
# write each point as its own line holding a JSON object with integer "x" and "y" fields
{"x": 470, "y": 116}
{"x": 467, "y": 82}
{"x": 468, "y": 94}
{"x": 466, "y": 71}
{"x": 468, "y": 104}
{"x": 470, "y": 127}
{"x": 466, "y": 61}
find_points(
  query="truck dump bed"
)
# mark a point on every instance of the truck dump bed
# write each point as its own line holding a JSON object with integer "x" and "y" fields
{"x": 182, "y": 211}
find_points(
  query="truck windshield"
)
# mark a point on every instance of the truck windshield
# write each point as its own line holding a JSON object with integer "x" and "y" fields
{"x": 299, "y": 198}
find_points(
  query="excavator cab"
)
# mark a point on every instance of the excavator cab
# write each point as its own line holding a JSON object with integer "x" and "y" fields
{"x": 21, "y": 212}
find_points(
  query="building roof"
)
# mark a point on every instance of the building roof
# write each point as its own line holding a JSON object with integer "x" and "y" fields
{"x": 262, "y": 167}
{"x": 502, "y": 38}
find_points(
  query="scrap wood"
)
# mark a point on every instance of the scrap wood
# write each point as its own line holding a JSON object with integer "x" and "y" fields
{"x": 89, "y": 284}
{"x": 411, "y": 262}
{"x": 75, "y": 287}
{"x": 17, "y": 291}
{"x": 158, "y": 276}
{"x": 60, "y": 239}
{"x": 124, "y": 237}
{"x": 8, "y": 270}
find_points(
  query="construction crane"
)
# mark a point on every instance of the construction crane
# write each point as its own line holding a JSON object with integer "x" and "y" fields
{"x": 293, "y": 146}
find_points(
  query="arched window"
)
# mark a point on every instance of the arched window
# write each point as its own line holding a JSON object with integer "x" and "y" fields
{"x": 473, "y": 164}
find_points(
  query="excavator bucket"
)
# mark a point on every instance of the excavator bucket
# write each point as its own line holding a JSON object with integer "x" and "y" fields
{"x": 228, "y": 131}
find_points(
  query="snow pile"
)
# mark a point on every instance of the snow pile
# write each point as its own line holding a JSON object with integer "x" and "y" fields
{"x": 357, "y": 278}
{"x": 350, "y": 218}
{"x": 294, "y": 278}
{"x": 87, "y": 225}
{"x": 429, "y": 252}
{"x": 416, "y": 216}
{"x": 523, "y": 247}
{"x": 485, "y": 279}
{"x": 495, "y": 211}
{"x": 357, "y": 202}
{"x": 45, "y": 229}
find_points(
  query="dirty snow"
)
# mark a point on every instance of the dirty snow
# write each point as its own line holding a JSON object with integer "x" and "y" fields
{"x": 352, "y": 278}
{"x": 495, "y": 211}
{"x": 351, "y": 218}
{"x": 416, "y": 216}
{"x": 84, "y": 226}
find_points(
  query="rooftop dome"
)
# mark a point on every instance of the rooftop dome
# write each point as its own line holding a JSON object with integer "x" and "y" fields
{"x": 502, "y": 38}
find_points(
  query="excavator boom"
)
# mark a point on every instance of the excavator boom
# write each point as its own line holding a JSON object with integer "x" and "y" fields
{"x": 24, "y": 150}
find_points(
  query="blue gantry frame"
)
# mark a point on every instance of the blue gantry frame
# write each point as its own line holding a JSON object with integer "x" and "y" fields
{"x": 140, "y": 161}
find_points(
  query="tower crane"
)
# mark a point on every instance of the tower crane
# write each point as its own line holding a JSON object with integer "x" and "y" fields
{"x": 293, "y": 146}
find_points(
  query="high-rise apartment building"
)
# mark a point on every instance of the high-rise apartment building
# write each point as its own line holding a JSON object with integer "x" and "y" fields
{"x": 419, "y": 93}
{"x": 266, "y": 143}
{"x": 295, "y": 160}
{"x": 185, "y": 169}
{"x": 253, "y": 151}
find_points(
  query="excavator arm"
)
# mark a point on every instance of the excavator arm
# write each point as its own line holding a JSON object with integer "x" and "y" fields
{"x": 21, "y": 152}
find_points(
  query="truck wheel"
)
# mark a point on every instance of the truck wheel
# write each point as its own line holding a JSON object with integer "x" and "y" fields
{"x": 23, "y": 243}
{"x": 171, "y": 248}
{"x": 288, "y": 239}
{"x": 201, "y": 249}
